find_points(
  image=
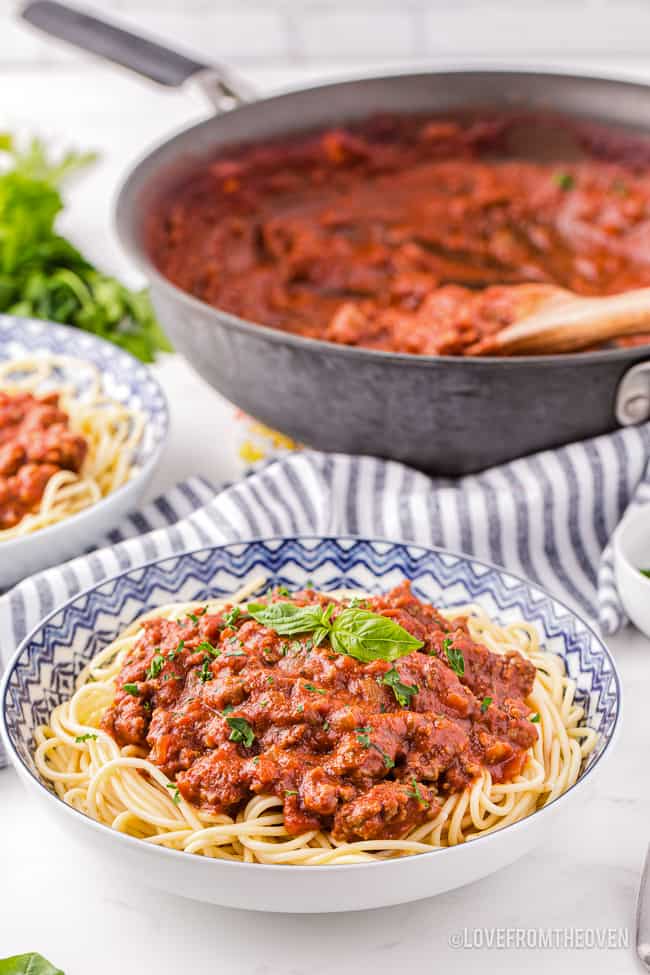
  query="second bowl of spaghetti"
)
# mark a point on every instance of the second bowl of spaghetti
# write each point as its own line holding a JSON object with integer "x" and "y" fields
{"x": 311, "y": 724}
{"x": 82, "y": 426}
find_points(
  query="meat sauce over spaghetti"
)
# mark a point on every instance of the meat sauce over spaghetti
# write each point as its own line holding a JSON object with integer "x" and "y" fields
{"x": 401, "y": 233}
{"x": 228, "y": 708}
{"x": 35, "y": 444}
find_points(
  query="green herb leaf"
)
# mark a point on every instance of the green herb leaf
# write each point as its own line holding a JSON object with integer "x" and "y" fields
{"x": 87, "y": 737}
{"x": 192, "y": 617}
{"x": 403, "y": 692}
{"x": 29, "y": 964}
{"x": 208, "y": 648}
{"x": 315, "y": 690}
{"x": 645, "y": 572}
{"x": 485, "y": 703}
{"x": 43, "y": 275}
{"x": 534, "y": 718}
{"x": 205, "y": 673}
{"x": 415, "y": 793}
{"x": 176, "y": 796}
{"x": 454, "y": 656}
{"x": 173, "y": 653}
{"x": 368, "y": 636}
{"x": 241, "y": 731}
{"x": 564, "y": 180}
{"x": 287, "y": 619}
{"x": 290, "y": 792}
{"x": 231, "y": 617}
{"x": 131, "y": 689}
{"x": 156, "y": 665}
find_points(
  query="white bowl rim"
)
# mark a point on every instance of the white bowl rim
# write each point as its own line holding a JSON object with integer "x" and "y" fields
{"x": 51, "y": 532}
{"x": 208, "y": 862}
{"x": 621, "y": 549}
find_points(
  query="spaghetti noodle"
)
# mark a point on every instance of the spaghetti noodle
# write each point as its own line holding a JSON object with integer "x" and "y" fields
{"x": 120, "y": 786}
{"x": 105, "y": 433}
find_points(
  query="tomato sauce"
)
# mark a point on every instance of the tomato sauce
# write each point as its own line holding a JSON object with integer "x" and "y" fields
{"x": 229, "y": 709}
{"x": 402, "y": 233}
{"x": 35, "y": 443}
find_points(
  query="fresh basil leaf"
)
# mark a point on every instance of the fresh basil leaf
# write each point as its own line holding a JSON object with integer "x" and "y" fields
{"x": 645, "y": 572}
{"x": 287, "y": 619}
{"x": 368, "y": 636}
{"x": 29, "y": 964}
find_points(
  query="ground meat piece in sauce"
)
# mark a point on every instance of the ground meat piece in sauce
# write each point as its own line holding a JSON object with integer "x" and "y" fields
{"x": 331, "y": 738}
{"x": 403, "y": 233}
{"x": 35, "y": 443}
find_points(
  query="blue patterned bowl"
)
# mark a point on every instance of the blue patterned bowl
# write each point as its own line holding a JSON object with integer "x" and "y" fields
{"x": 43, "y": 670}
{"x": 124, "y": 379}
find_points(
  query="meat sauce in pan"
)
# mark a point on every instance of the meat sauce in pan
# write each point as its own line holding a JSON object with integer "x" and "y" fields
{"x": 402, "y": 233}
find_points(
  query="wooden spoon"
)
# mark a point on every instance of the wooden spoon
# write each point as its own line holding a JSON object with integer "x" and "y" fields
{"x": 555, "y": 320}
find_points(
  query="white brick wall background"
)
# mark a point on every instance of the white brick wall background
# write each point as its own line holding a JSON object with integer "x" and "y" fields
{"x": 352, "y": 34}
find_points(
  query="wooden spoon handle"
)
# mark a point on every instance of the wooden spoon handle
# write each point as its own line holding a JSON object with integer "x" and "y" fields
{"x": 575, "y": 323}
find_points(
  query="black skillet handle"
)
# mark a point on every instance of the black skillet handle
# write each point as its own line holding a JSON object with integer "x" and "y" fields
{"x": 146, "y": 57}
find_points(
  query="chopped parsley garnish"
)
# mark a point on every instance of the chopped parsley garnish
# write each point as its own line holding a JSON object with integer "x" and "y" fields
{"x": 290, "y": 792}
{"x": 236, "y": 653}
{"x": 316, "y": 690}
{"x": 269, "y": 679}
{"x": 415, "y": 793}
{"x": 283, "y": 591}
{"x": 232, "y": 616}
{"x": 403, "y": 692}
{"x": 156, "y": 665}
{"x": 191, "y": 616}
{"x": 87, "y": 737}
{"x": 534, "y": 718}
{"x": 132, "y": 689}
{"x": 208, "y": 648}
{"x": 362, "y": 736}
{"x": 454, "y": 656}
{"x": 172, "y": 653}
{"x": 388, "y": 761}
{"x": 564, "y": 180}
{"x": 241, "y": 731}
{"x": 205, "y": 672}
{"x": 326, "y": 725}
{"x": 300, "y": 708}
{"x": 227, "y": 710}
{"x": 485, "y": 703}
{"x": 176, "y": 796}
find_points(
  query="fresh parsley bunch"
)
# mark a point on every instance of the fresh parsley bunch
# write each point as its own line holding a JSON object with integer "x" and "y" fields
{"x": 42, "y": 275}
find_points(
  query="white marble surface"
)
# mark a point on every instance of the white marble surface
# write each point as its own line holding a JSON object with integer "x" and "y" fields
{"x": 54, "y": 902}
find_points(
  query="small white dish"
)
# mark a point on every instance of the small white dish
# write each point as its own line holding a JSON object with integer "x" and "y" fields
{"x": 124, "y": 379}
{"x": 631, "y": 555}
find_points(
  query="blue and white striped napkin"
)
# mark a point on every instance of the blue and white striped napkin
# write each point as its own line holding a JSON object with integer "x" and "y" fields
{"x": 549, "y": 517}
